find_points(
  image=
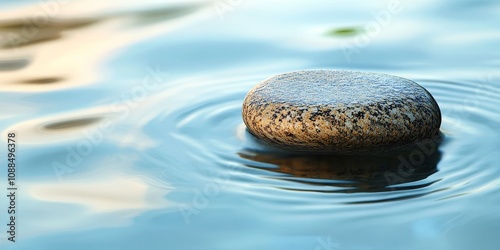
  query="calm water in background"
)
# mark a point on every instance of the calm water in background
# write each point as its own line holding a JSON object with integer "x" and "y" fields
{"x": 128, "y": 117}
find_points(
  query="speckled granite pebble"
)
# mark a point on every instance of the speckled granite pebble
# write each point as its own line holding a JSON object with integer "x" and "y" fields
{"x": 340, "y": 111}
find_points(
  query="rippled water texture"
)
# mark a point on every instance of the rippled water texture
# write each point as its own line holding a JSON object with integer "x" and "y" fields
{"x": 128, "y": 117}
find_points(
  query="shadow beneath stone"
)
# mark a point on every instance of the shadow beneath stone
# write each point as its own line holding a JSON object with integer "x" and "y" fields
{"x": 354, "y": 173}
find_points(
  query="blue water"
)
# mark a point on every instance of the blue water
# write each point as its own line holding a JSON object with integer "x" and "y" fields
{"x": 129, "y": 131}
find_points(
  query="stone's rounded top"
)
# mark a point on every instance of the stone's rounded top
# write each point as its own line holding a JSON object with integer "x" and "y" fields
{"x": 340, "y": 111}
{"x": 336, "y": 88}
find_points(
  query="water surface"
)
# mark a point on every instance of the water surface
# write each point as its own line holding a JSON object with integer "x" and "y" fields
{"x": 128, "y": 116}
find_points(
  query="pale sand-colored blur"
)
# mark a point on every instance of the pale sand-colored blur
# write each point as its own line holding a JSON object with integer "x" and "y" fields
{"x": 81, "y": 34}
{"x": 102, "y": 195}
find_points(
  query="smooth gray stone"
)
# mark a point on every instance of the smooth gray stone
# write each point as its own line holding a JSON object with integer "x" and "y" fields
{"x": 340, "y": 111}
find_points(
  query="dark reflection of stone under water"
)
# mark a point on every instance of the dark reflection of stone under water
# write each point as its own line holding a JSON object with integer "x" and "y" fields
{"x": 355, "y": 173}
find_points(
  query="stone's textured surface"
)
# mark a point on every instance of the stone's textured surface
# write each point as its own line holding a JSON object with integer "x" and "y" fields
{"x": 340, "y": 111}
